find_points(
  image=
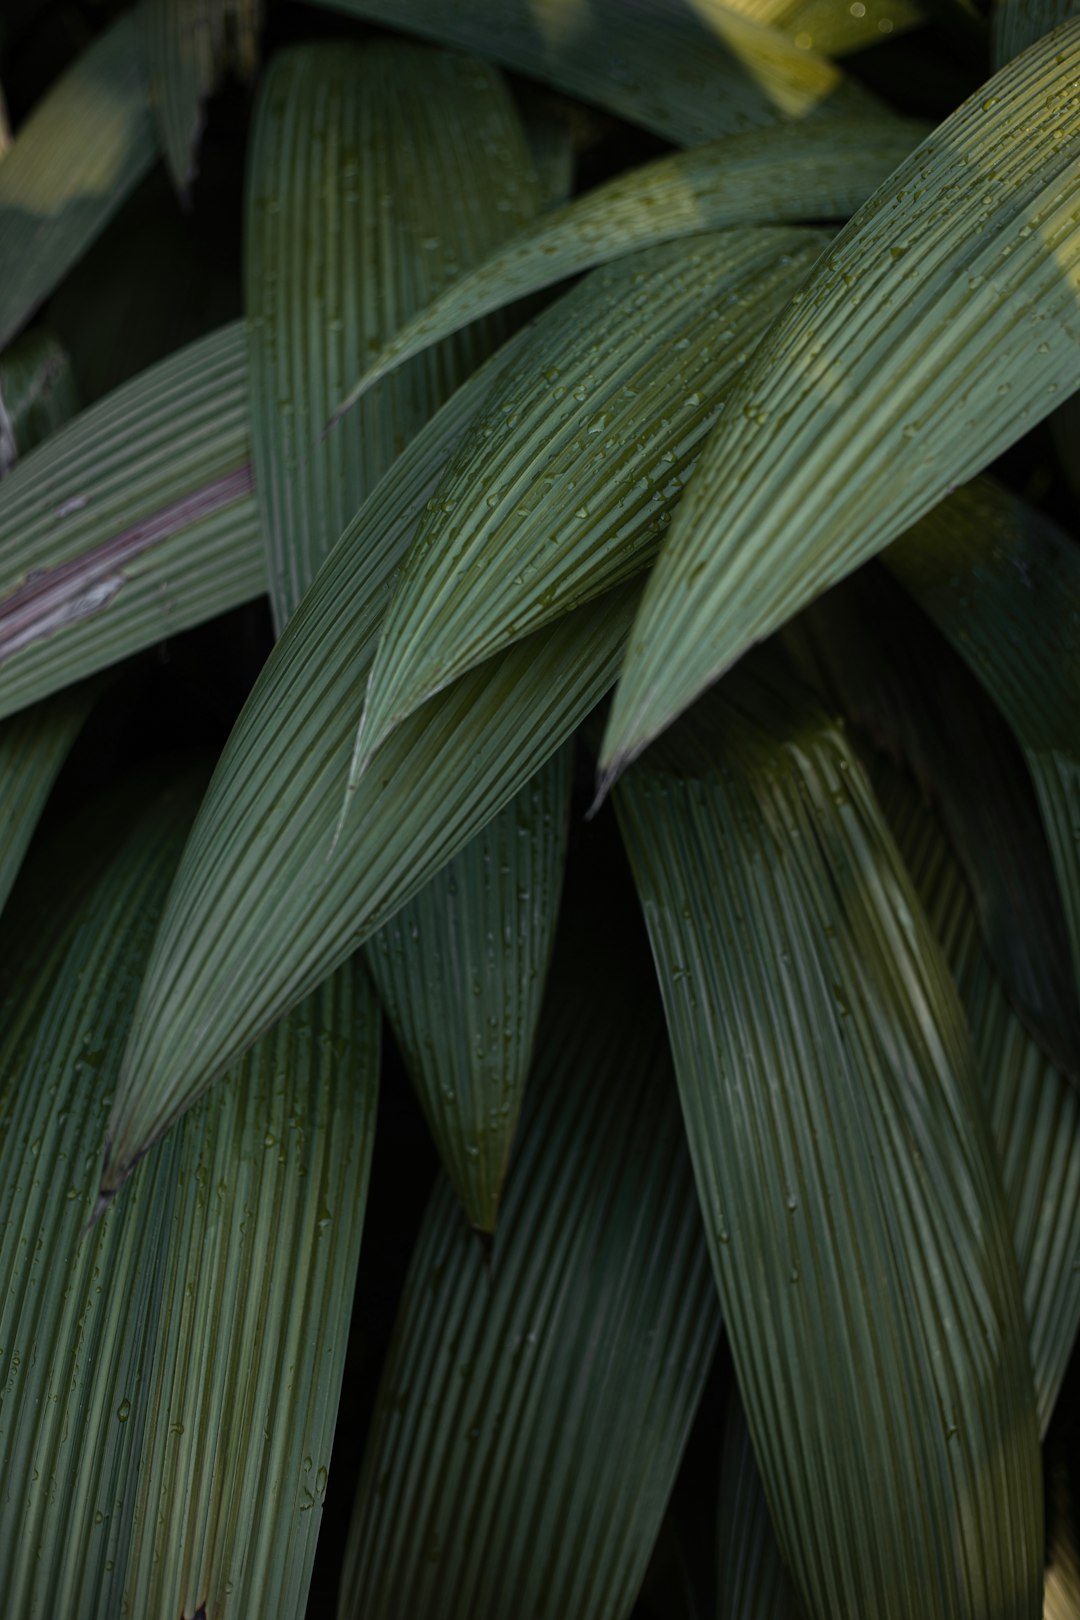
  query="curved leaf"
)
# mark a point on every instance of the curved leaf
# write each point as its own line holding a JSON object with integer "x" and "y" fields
{"x": 566, "y": 479}
{"x": 686, "y": 74}
{"x": 1019, "y": 23}
{"x": 188, "y": 46}
{"x": 151, "y": 1464}
{"x": 85, "y": 146}
{"x": 533, "y": 1408}
{"x": 461, "y": 971}
{"x": 834, "y": 26}
{"x": 751, "y": 1577}
{"x": 942, "y": 323}
{"x": 764, "y": 176}
{"x": 393, "y": 165}
{"x": 33, "y": 747}
{"x": 1002, "y": 582}
{"x": 1034, "y": 1112}
{"x": 851, "y": 1196}
{"x": 134, "y": 521}
{"x": 37, "y": 394}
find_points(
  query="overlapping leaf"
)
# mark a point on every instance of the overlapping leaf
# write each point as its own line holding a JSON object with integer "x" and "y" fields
{"x": 821, "y": 172}
{"x": 1002, "y": 583}
{"x": 1034, "y": 1112}
{"x": 376, "y": 172}
{"x": 171, "y": 1378}
{"x": 687, "y": 73}
{"x": 567, "y": 478}
{"x": 134, "y": 521}
{"x": 533, "y": 1409}
{"x": 37, "y": 394}
{"x": 461, "y": 972}
{"x": 846, "y": 1173}
{"x": 82, "y": 150}
{"x": 943, "y": 324}
{"x": 188, "y": 46}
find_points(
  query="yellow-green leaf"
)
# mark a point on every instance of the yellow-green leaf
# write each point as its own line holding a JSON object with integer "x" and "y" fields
{"x": 943, "y": 323}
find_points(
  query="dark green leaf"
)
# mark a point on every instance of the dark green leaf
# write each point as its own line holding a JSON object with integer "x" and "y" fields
{"x": 188, "y": 46}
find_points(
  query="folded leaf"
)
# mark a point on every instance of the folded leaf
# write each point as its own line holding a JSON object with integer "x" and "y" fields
{"x": 33, "y": 746}
{"x": 751, "y": 1578}
{"x": 533, "y": 1407}
{"x": 37, "y": 394}
{"x": 943, "y": 323}
{"x": 394, "y": 165}
{"x": 85, "y": 146}
{"x": 188, "y": 46}
{"x": 1003, "y": 584}
{"x": 763, "y": 176}
{"x": 1034, "y": 1111}
{"x": 688, "y": 74}
{"x": 845, "y": 1169}
{"x": 461, "y": 972}
{"x": 564, "y": 483}
{"x": 134, "y": 521}
{"x": 153, "y": 1465}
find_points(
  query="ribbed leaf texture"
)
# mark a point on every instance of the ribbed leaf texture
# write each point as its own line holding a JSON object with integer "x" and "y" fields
{"x": 33, "y": 746}
{"x": 83, "y": 149}
{"x": 1019, "y": 23}
{"x": 1034, "y": 1111}
{"x": 1062, "y": 1600}
{"x": 37, "y": 394}
{"x": 761, "y": 177}
{"x": 376, "y": 173}
{"x": 942, "y": 325}
{"x": 846, "y": 1173}
{"x": 188, "y": 46}
{"x": 133, "y": 522}
{"x": 461, "y": 970}
{"x": 171, "y": 1376}
{"x": 751, "y": 1577}
{"x": 534, "y": 1406}
{"x": 1002, "y": 582}
{"x": 687, "y": 73}
{"x": 566, "y": 480}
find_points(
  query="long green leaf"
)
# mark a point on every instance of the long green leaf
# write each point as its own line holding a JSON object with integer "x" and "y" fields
{"x": 188, "y": 46}
{"x": 1034, "y": 1111}
{"x": 376, "y": 172}
{"x": 942, "y": 324}
{"x": 79, "y": 154}
{"x": 1003, "y": 584}
{"x": 33, "y": 746}
{"x": 461, "y": 972}
{"x": 133, "y": 522}
{"x": 834, "y": 27}
{"x": 845, "y": 1168}
{"x": 533, "y": 1409}
{"x": 683, "y": 72}
{"x": 567, "y": 478}
{"x": 872, "y": 653}
{"x": 1019, "y": 23}
{"x": 171, "y": 1379}
{"x": 761, "y": 177}
{"x": 37, "y": 394}
{"x": 751, "y": 1577}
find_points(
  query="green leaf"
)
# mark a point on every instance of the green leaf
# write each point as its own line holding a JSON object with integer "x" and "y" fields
{"x": 37, "y": 394}
{"x": 85, "y": 146}
{"x": 566, "y": 479}
{"x": 549, "y": 121}
{"x": 133, "y": 522}
{"x": 1034, "y": 1111}
{"x": 533, "y": 1407}
{"x": 33, "y": 746}
{"x": 834, "y": 27}
{"x": 941, "y": 325}
{"x": 872, "y": 653}
{"x": 188, "y": 46}
{"x": 461, "y": 971}
{"x": 782, "y": 174}
{"x": 846, "y": 1173}
{"x": 686, "y": 75}
{"x": 1002, "y": 583}
{"x": 751, "y": 1577}
{"x": 1019, "y": 23}
{"x": 394, "y": 165}
{"x": 171, "y": 1377}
